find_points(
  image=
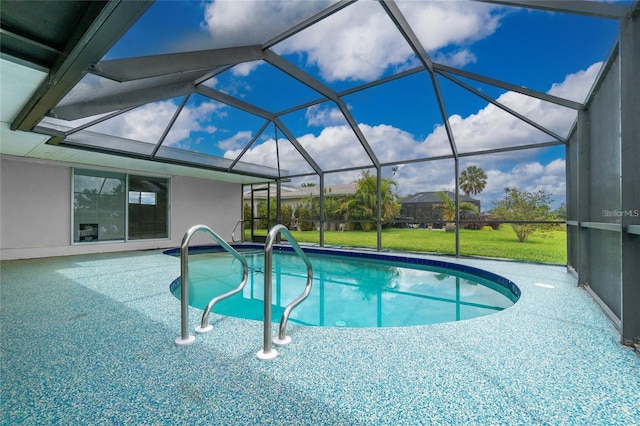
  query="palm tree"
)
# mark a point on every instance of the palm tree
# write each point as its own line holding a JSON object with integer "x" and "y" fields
{"x": 363, "y": 204}
{"x": 448, "y": 208}
{"x": 472, "y": 180}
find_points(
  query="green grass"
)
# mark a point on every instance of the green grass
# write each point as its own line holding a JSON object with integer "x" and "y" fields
{"x": 500, "y": 244}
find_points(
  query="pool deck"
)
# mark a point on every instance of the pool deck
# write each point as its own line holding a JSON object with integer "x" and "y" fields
{"x": 89, "y": 340}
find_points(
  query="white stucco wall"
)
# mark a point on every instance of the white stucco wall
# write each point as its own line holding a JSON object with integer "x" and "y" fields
{"x": 35, "y": 211}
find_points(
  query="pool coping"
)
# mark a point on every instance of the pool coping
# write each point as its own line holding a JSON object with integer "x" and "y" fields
{"x": 409, "y": 258}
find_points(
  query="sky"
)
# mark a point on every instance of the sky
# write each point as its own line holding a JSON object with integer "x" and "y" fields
{"x": 553, "y": 53}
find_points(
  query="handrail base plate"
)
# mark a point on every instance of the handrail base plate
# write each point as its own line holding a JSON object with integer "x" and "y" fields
{"x": 268, "y": 355}
{"x": 185, "y": 342}
{"x": 206, "y": 329}
{"x": 276, "y": 341}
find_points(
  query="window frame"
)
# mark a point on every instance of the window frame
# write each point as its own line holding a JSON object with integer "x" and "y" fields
{"x": 126, "y": 201}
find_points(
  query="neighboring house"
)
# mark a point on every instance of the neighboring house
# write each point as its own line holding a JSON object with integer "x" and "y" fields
{"x": 422, "y": 208}
{"x": 293, "y": 196}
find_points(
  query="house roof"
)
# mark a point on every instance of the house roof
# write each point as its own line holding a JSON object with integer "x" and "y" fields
{"x": 431, "y": 197}
{"x": 288, "y": 192}
{"x": 343, "y": 189}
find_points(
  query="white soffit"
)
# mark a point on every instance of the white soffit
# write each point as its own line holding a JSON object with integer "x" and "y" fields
{"x": 17, "y": 85}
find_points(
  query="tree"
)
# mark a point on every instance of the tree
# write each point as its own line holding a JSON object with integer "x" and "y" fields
{"x": 363, "y": 205}
{"x": 448, "y": 208}
{"x": 332, "y": 210}
{"x": 307, "y": 213}
{"x": 286, "y": 214}
{"x": 561, "y": 212}
{"x": 267, "y": 218}
{"x": 472, "y": 180}
{"x": 304, "y": 216}
{"x": 523, "y": 206}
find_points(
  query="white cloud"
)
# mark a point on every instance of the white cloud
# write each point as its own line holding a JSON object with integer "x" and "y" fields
{"x": 359, "y": 42}
{"x": 458, "y": 58}
{"x": 527, "y": 177}
{"x": 192, "y": 120}
{"x": 335, "y": 147}
{"x": 492, "y": 127}
{"x": 239, "y": 140}
{"x": 244, "y": 69}
{"x": 576, "y": 86}
{"x": 319, "y": 115}
{"x": 241, "y": 23}
{"x": 148, "y": 122}
{"x": 264, "y": 154}
{"x": 389, "y": 143}
{"x": 445, "y": 23}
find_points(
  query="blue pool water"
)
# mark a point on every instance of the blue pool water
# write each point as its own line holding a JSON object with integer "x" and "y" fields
{"x": 347, "y": 291}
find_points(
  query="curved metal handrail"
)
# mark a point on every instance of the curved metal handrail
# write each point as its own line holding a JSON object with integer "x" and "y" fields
{"x": 267, "y": 352}
{"x": 185, "y": 338}
{"x": 233, "y": 233}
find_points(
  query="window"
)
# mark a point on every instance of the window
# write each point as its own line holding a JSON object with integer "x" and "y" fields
{"x": 98, "y": 206}
{"x": 137, "y": 197}
{"x": 148, "y": 207}
{"x": 102, "y": 210}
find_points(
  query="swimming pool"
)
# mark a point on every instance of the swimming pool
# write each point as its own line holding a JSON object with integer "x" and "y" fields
{"x": 350, "y": 289}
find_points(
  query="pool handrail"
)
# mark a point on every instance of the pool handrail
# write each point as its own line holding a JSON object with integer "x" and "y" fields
{"x": 267, "y": 352}
{"x": 233, "y": 233}
{"x": 185, "y": 338}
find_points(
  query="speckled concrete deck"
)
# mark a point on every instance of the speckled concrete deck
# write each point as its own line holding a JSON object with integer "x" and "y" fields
{"x": 89, "y": 340}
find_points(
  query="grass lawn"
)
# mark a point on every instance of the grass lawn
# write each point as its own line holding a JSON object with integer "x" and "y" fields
{"x": 500, "y": 244}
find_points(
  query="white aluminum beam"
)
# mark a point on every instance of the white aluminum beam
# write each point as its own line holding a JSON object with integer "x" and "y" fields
{"x": 120, "y": 101}
{"x": 152, "y": 66}
{"x": 125, "y": 95}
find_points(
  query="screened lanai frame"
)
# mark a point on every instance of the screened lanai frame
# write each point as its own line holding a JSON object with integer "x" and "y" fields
{"x": 132, "y": 82}
{"x": 598, "y": 248}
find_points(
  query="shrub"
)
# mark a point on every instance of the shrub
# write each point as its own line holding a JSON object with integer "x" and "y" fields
{"x": 523, "y": 206}
{"x": 303, "y": 214}
{"x": 479, "y": 222}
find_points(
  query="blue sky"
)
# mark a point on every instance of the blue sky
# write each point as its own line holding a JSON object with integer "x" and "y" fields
{"x": 554, "y": 53}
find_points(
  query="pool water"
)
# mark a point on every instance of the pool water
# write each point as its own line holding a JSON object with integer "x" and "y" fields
{"x": 346, "y": 292}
